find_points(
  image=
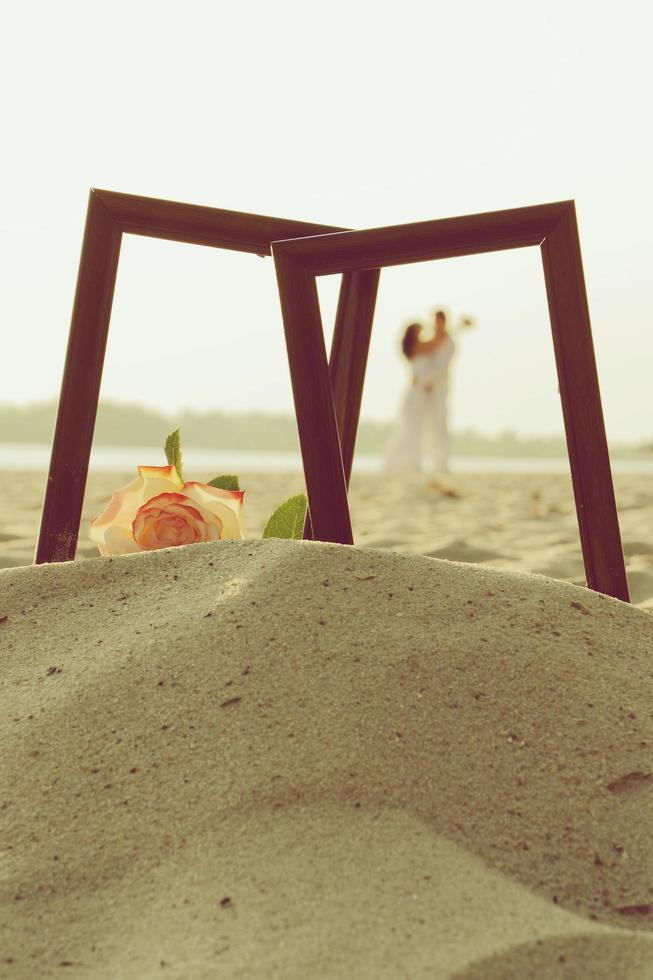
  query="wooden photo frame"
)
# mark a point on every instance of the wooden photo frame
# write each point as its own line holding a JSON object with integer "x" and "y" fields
{"x": 109, "y": 216}
{"x": 327, "y": 466}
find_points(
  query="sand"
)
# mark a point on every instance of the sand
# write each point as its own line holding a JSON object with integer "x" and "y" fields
{"x": 514, "y": 522}
{"x": 270, "y": 759}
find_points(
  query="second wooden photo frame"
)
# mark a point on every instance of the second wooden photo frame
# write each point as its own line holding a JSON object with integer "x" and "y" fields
{"x": 327, "y": 463}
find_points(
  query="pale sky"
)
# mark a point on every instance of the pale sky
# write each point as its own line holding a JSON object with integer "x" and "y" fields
{"x": 350, "y": 113}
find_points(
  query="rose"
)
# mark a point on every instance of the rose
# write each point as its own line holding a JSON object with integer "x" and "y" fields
{"x": 159, "y": 510}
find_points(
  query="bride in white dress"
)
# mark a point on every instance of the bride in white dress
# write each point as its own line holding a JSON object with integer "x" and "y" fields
{"x": 422, "y": 422}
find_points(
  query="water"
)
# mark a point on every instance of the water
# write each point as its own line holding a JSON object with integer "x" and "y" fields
{"x": 120, "y": 459}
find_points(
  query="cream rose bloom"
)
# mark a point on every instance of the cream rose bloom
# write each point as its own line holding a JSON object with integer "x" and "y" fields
{"x": 158, "y": 510}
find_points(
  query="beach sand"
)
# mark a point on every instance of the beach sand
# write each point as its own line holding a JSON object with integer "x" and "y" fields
{"x": 514, "y": 522}
{"x": 274, "y": 759}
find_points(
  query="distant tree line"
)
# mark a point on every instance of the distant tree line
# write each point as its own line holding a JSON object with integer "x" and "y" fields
{"x": 134, "y": 425}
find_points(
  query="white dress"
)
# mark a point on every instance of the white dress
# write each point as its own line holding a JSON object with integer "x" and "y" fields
{"x": 422, "y": 423}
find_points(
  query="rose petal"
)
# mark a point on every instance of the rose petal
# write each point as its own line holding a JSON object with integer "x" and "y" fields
{"x": 227, "y": 504}
{"x": 123, "y": 506}
{"x": 118, "y": 541}
{"x": 159, "y": 479}
{"x": 154, "y": 522}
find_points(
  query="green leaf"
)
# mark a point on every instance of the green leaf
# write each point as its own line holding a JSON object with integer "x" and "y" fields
{"x": 172, "y": 450}
{"x": 227, "y": 482}
{"x": 288, "y": 519}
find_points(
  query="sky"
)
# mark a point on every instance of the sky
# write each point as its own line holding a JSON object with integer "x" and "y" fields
{"x": 355, "y": 114}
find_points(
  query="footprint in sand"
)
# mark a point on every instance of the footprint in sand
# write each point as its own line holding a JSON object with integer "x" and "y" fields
{"x": 14, "y": 561}
{"x": 580, "y": 955}
{"x": 640, "y": 583}
{"x": 571, "y": 568}
{"x": 637, "y": 548}
{"x": 460, "y": 550}
{"x": 87, "y": 551}
{"x": 385, "y": 543}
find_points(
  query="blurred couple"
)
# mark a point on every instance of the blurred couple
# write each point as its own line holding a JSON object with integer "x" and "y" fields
{"x": 422, "y": 424}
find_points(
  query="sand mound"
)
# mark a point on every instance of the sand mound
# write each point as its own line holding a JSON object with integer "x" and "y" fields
{"x": 461, "y": 550}
{"x": 281, "y": 759}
